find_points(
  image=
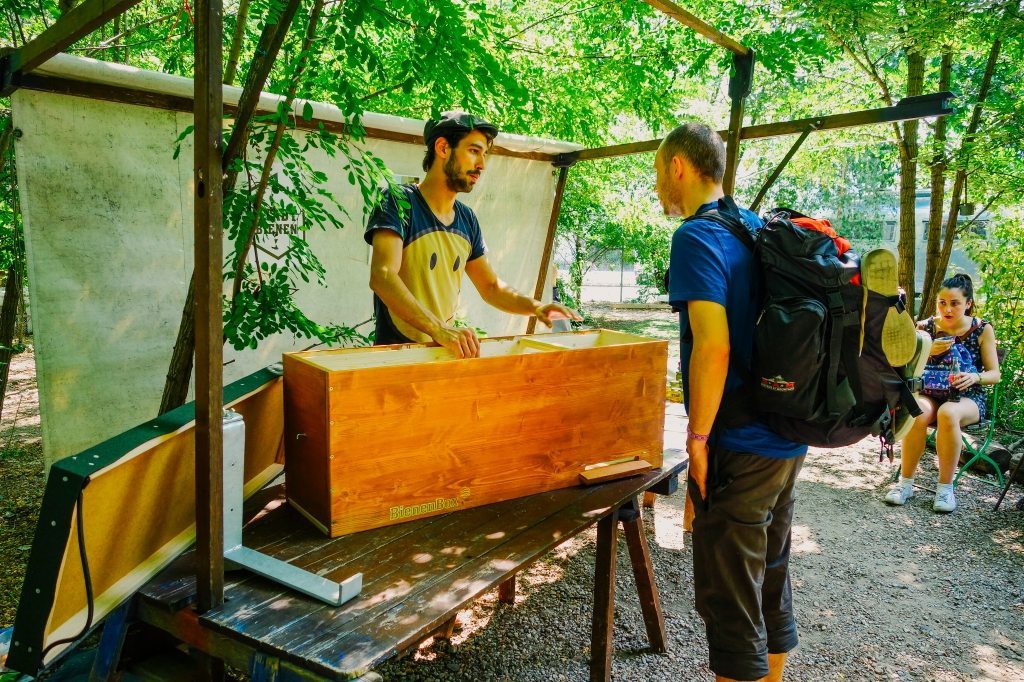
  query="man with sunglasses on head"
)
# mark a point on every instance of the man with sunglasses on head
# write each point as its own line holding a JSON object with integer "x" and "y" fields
{"x": 420, "y": 253}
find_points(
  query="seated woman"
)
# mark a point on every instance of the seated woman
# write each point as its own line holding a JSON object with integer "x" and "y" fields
{"x": 954, "y": 321}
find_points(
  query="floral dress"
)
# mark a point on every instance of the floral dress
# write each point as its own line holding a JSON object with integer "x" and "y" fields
{"x": 972, "y": 342}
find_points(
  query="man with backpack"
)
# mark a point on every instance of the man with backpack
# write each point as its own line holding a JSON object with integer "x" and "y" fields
{"x": 741, "y": 479}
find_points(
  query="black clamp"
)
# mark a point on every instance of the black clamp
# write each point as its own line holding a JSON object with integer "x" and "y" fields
{"x": 565, "y": 159}
{"x": 741, "y": 78}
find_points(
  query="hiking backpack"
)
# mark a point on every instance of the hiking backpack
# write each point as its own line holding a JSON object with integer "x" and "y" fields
{"x": 818, "y": 374}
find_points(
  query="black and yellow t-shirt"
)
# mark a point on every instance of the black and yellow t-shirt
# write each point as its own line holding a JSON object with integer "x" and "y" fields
{"x": 434, "y": 257}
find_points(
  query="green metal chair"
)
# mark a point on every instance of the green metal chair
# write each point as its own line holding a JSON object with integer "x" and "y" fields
{"x": 981, "y": 434}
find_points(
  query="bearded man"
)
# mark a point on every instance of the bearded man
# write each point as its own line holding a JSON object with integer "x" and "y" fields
{"x": 421, "y": 251}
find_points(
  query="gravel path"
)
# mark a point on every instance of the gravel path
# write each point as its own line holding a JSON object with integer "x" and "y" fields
{"x": 881, "y": 593}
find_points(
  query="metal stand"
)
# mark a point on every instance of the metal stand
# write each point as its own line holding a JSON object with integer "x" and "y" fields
{"x": 261, "y": 564}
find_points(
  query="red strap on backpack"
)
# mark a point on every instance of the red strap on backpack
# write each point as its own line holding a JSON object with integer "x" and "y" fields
{"x": 821, "y": 225}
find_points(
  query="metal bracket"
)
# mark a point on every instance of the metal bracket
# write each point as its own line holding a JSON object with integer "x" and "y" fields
{"x": 298, "y": 579}
{"x": 741, "y": 79}
{"x": 565, "y": 159}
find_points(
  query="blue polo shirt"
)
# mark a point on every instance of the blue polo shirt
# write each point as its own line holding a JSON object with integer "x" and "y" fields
{"x": 708, "y": 263}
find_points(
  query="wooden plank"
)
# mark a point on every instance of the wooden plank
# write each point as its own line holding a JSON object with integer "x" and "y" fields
{"x": 208, "y": 259}
{"x": 613, "y": 471}
{"x": 540, "y": 345}
{"x": 284, "y": 534}
{"x": 77, "y": 23}
{"x": 647, "y": 589}
{"x": 549, "y": 243}
{"x": 706, "y": 30}
{"x": 604, "y": 599}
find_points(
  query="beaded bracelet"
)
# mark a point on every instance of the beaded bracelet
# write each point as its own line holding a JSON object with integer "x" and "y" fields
{"x": 690, "y": 435}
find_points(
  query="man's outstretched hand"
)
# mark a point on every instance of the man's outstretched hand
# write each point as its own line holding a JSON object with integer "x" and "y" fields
{"x": 554, "y": 311}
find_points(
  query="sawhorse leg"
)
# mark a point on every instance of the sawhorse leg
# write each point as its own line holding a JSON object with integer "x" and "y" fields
{"x": 108, "y": 653}
{"x": 643, "y": 573}
{"x": 604, "y": 599}
{"x": 604, "y": 587}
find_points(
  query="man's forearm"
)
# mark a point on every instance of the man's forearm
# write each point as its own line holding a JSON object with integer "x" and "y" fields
{"x": 709, "y": 365}
{"x": 402, "y": 304}
{"x": 508, "y": 299}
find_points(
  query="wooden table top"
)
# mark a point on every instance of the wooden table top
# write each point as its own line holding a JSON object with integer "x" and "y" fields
{"x": 416, "y": 574}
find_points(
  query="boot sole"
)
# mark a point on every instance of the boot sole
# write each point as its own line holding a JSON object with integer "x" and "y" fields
{"x": 899, "y": 334}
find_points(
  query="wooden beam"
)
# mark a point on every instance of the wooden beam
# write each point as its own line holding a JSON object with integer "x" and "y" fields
{"x": 76, "y": 24}
{"x": 706, "y": 30}
{"x": 924, "y": 106}
{"x": 756, "y": 203}
{"x": 113, "y": 93}
{"x": 549, "y": 243}
{"x": 209, "y": 258}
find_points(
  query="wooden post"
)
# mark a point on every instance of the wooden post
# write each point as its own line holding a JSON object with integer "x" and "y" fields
{"x": 549, "y": 241}
{"x": 208, "y": 180}
{"x": 740, "y": 80}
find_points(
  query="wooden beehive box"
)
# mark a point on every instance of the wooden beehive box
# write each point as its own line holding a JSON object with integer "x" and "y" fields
{"x": 376, "y": 436}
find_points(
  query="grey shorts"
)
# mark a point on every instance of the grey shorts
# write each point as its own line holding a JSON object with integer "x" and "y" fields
{"x": 741, "y": 541}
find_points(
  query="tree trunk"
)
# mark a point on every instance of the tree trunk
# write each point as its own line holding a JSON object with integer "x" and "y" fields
{"x": 236, "y": 42}
{"x": 8, "y": 320}
{"x": 275, "y": 143}
{"x": 908, "y": 181}
{"x": 12, "y": 290}
{"x": 931, "y": 288}
{"x": 938, "y": 194}
{"x": 179, "y": 371}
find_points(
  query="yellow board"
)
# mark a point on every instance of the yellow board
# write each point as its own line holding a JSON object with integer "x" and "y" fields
{"x": 382, "y": 435}
{"x": 136, "y": 497}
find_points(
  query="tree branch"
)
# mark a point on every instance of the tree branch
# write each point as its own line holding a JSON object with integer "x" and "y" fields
{"x": 268, "y": 162}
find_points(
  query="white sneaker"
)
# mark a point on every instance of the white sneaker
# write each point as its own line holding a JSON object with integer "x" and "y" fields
{"x": 899, "y": 494}
{"x": 945, "y": 501}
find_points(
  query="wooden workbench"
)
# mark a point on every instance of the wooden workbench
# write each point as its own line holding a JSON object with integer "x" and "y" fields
{"x": 416, "y": 577}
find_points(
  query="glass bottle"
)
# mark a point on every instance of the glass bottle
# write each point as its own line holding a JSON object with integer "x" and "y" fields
{"x": 954, "y": 375}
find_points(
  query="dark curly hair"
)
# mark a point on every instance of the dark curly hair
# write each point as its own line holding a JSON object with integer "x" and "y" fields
{"x": 965, "y": 284}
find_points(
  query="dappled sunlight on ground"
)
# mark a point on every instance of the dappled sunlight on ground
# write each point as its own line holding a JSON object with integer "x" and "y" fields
{"x": 803, "y": 542}
{"x": 991, "y": 664}
{"x": 1011, "y": 539}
